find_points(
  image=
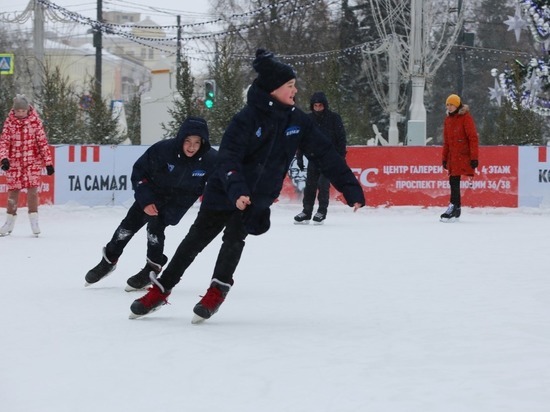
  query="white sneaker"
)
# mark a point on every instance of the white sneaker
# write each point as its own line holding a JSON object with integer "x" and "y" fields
{"x": 8, "y": 226}
{"x": 33, "y": 218}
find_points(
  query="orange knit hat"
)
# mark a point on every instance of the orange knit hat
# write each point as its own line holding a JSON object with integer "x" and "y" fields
{"x": 453, "y": 99}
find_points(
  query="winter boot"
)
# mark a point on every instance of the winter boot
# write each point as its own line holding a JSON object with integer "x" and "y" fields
{"x": 101, "y": 270}
{"x": 302, "y": 218}
{"x": 142, "y": 279}
{"x": 211, "y": 302}
{"x": 7, "y": 228}
{"x": 451, "y": 214}
{"x": 151, "y": 301}
{"x": 319, "y": 218}
{"x": 33, "y": 218}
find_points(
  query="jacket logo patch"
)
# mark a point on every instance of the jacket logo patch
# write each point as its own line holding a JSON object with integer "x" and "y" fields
{"x": 198, "y": 173}
{"x": 170, "y": 167}
{"x": 292, "y": 130}
{"x": 259, "y": 132}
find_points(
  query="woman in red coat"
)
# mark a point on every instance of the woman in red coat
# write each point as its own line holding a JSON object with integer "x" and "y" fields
{"x": 460, "y": 151}
{"x": 24, "y": 152}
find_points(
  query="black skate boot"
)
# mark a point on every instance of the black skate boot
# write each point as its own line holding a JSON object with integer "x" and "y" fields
{"x": 451, "y": 214}
{"x": 319, "y": 218}
{"x": 211, "y": 301}
{"x": 101, "y": 270}
{"x": 142, "y": 279}
{"x": 151, "y": 301}
{"x": 302, "y": 218}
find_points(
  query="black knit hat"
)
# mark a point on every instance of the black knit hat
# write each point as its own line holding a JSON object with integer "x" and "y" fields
{"x": 272, "y": 74}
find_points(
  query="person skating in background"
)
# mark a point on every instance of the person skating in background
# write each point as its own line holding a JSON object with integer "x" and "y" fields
{"x": 460, "y": 151}
{"x": 317, "y": 185}
{"x": 24, "y": 152}
{"x": 255, "y": 152}
{"x": 167, "y": 180}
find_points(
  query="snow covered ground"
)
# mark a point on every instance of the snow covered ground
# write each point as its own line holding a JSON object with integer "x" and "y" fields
{"x": 384, "y": 310}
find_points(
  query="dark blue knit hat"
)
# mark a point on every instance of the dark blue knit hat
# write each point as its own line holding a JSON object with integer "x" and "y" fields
{"x": 272, "y": 74}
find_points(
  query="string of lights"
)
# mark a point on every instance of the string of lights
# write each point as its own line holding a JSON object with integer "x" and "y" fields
{"x": 531, "y": 94}
{"x": 129, "y": 30}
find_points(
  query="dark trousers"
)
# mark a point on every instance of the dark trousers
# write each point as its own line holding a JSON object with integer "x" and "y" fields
{"x": 315, "y": 181}
{"x": 135, "y": 219}
{"x": 454, "y": 182}
{"x": 208, "y": 225}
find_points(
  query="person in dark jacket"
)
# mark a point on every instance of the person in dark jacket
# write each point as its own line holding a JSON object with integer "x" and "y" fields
{"x": 167, "y": 180}
{"x": 460, "y": 151}
{"x": 317, "y": 185}
{"x": 255, "y": 153}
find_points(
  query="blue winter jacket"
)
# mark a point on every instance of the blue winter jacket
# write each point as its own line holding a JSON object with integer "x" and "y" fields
{"x": 165, "y": 176}
{"x": 256, "y": 151}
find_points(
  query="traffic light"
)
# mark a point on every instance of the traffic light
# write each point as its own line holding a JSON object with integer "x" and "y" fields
{"x": 209, "y": 93}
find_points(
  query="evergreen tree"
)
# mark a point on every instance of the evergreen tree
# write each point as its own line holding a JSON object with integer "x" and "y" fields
{"x": 227, "y": 73}
{"x": 133, "y": 110}
{"x": 184, "y": 102}
{"x": 59, "y": 109}
{"x": 511, "y": 123}
{"x": 101, "y": 126}
{"x": 356, "y": 100}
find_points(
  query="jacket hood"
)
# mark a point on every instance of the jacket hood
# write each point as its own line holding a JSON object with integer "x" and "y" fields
{"x": 462, "y": 109}
{"x": 32, "y": 114}
{"x": 194, "y": 126}
{"x": 318, "y": 97}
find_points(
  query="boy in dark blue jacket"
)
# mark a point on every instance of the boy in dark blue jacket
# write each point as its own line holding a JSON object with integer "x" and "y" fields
{"x": 167, "y": 180}
{"x": 255, "y": 153}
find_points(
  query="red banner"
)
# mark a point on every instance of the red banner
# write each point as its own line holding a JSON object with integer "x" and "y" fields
{"x": 399, "y": 176}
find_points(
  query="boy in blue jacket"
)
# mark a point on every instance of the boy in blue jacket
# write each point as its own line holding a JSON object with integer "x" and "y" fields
{"x": 255, "y": 152}
{"x": 167, "y": 180}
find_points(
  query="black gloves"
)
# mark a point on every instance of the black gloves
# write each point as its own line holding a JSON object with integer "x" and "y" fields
{"x": 50, "y": 170}
{"x": 444, "y": 164}
{"x": 474, "y": 163}
{"x": 5, "y": 164}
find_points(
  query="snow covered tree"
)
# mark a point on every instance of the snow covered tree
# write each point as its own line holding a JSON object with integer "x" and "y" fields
{"x": 58, "y": 106}
{"x": 184, "y": 102}
{"x": 101, "y": 127}
{"x": 230, "y": 88}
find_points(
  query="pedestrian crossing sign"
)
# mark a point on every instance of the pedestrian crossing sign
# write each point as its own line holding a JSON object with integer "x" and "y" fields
{"x": 6, "y": 63}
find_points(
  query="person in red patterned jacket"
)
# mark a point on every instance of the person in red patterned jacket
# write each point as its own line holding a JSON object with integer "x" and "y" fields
{"x": 24, "y": 152}
{"x": 460, "y": 151}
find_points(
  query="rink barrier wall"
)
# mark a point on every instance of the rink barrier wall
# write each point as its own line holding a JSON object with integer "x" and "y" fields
{"x": 507, "y": 176}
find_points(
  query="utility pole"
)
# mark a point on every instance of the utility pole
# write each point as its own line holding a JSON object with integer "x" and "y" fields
{"x": 393, "y": 92}
{"x": 460, "y": 56}
{"x": 178, "y": 55}
{"x": 38, "y": 33}
{"x": 98, "y": 47}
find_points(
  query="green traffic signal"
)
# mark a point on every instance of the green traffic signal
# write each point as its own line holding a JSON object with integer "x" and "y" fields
{"x": 209, "y": 93}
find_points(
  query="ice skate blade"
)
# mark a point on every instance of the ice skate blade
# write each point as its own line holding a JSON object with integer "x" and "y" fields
{"x": 197, "y": 320}
{"x": 129, "y": 288}
{"x": 303, "y": 222}
{"x": 449, "y": 220}
{"x": 135, "y": 316}
{"x": 318, "y": 223}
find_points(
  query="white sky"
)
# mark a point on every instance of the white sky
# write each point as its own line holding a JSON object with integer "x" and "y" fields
{"x": 384, "y": 310}
{"x": 158, "y": 10}
{"x": 163, "y": 12}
